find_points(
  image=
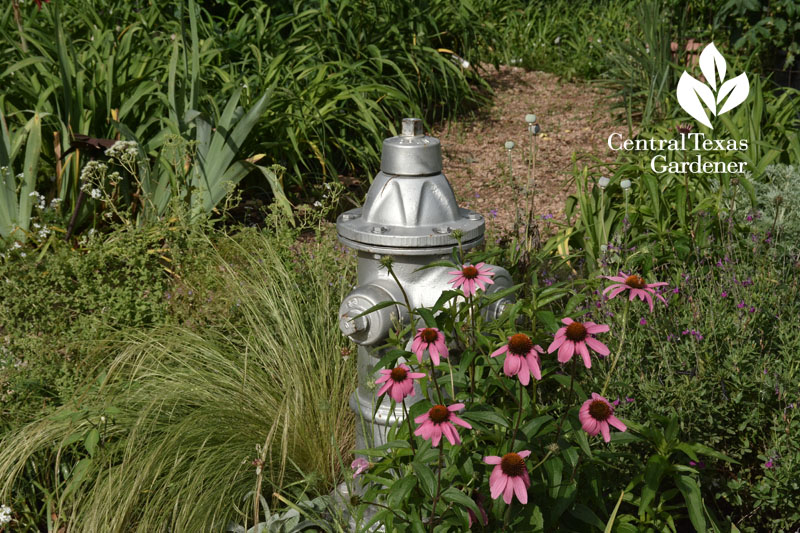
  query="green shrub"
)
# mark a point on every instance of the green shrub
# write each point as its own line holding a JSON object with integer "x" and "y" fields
{"x": 721, "y": 357}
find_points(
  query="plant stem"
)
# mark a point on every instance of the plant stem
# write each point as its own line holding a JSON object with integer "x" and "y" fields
{"x": 18, "y": 20}
{"x": 569, "y": 396}
{"x": 410, "y": 428}
{"x": 619, "y": 349}
{"x": 471, "y": 304}
{"x": 603, "y": 237}
{"x": 438, "y": 485}
{"x": 519, "y": 418}
{"x": 436, "y": 383}
{"x": 402, "y": 290}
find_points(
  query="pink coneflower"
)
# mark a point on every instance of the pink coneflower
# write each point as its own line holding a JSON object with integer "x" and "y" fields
{"x": 509, "y": 477}
{"x": 430, "y": 339}
{"x": 637, "y": 286}
{"x": 398, "y": 381}
{"x": 360, "y": 465}
{"x": 469, "y": 276}
{"x": 595, "y": 416}
{"x": 577, "y": 337}
{"x": 439, "y": 420}
{"x": 522, "y": 358}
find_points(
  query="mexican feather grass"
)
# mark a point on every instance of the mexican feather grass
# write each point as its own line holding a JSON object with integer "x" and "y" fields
{"x": 183, "y": 414}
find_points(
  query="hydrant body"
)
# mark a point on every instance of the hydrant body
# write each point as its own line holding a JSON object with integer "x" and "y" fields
{"x": 410, "y": 213}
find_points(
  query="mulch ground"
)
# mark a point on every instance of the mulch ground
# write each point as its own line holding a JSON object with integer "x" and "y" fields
{"x": 575, "y": 122}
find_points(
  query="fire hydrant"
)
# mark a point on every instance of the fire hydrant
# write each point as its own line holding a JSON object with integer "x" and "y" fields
{"x": 410, "y": 213}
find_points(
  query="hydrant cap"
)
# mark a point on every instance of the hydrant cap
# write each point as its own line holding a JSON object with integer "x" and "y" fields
{"x": 411, "y": 153}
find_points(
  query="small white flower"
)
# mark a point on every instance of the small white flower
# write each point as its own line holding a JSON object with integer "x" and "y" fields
{"x": 625, "y": 184}
{"x": 16, "y": 246}
{"x": 5, "y": 515}
{"x": 557, "y": 40}
{"x": 603, "y": 182}
{"x": 96, "y": 193}
{"x": 530, "y": 118}
{"x": 317, "y": 204}
{"x": 36, "y": 225}
{"x": 509, "y": 145}
{"x": 23, "y": 254}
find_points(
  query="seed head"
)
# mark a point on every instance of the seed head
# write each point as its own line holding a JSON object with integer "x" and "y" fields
{"x": 439, "y": 414}
{"x": 512, "y": 464}
{"x": 576, "y": 332}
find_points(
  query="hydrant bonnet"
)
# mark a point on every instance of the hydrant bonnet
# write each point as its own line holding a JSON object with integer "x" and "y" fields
{"x": 410, "y": 208}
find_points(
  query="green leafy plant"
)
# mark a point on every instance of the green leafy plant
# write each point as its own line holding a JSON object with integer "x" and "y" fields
{"x": 16, "y": 201}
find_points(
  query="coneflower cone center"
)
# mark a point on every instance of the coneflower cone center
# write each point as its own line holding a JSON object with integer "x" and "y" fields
{"x": 512, "y": 464}
{"x": 429, "y": 335}
{"x": 637, "y": 282}
{"x": 520, "y": 344}
{"x": 576, "y": 332}
{"x": 469, "y": 272}
{"x": 399, "y": 374}
{"x": 439, "y": 414}
{"x": 600, "y": 410}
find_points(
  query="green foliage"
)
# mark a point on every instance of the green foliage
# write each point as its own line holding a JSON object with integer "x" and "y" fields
{"x": 16, "y": 202}
{"x": 720, "y": 359}
{"x": 54, "y": 311}
{"x": 678, "y": 215}
{"x": 206, "y": 409}
{"x": 339, "y": 76}
{"x": 777, "y": 209}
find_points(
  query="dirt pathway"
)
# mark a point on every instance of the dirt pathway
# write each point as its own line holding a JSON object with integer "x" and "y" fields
{"x": 575, "y": 122}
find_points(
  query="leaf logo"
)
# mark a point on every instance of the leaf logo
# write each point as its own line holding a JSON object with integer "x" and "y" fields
{"x": 693, "y": 94}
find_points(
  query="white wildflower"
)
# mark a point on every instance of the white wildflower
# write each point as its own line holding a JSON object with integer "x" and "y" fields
{"x": 5, "y": 515}
{"x": 96, "y": 193}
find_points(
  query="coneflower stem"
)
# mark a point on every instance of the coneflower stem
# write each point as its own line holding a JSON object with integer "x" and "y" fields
{"x": 410, "y": 428}
{"x": 436, "y": 383}
{"x": 619, "y": 349}
{"x": 519, "y": 418}
{"x": 402, "y": 290}
{"x": 438, "y": 485}
{"x": 473, "y": 346}
{"x": 569, "y": 398}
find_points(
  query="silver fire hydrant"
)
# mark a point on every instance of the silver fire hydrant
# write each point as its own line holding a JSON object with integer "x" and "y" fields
{"x": 410, "y": 213}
